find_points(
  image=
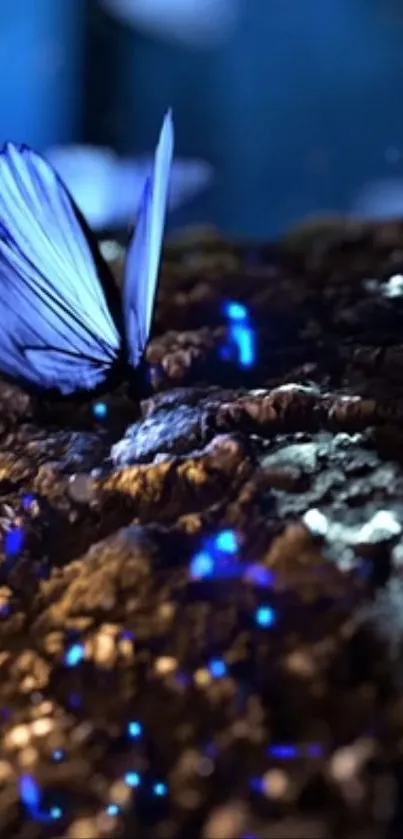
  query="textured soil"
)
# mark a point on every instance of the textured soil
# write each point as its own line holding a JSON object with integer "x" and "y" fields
{"x": 264, "y": 697}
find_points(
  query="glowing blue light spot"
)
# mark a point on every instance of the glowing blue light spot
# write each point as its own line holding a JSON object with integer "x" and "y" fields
{"x": 225, "y": 353}
{"x": 112, "y": 809}
{"x": 243, "y": 337}
{"x": 132, "y": 779}
{"x": 100, "y": 410}
{"x": 74, "y": 655}
{"x": 283, "y": 751}
{"x": 217, "y": 668}
{"x": 55, "y": 812}
{"x": 259, "y": 576}
{"x": 126, "y": 635}
{"x": 226, "y": 541}
{"x": 256, "y": 784}
{"x": 265, "y": 616}
{"x": 134, "y": 729}
{"x": 14, "y": 541}
{"x": 236, "y": 311}
{"x": 58, "y": 754}
{"x": 160, "y": 789}
{"x": 201, "y": 566}
{"x": 29, "y": 793}
{"x": 27, "y": 501}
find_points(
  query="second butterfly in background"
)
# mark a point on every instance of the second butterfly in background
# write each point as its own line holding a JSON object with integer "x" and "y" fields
{"x": 107, "y": 188}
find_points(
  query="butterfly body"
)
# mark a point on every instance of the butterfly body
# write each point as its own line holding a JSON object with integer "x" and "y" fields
{"x": 65, "y": 330}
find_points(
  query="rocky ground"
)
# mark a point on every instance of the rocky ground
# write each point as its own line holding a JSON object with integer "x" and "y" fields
{"x": 201, "y": 607}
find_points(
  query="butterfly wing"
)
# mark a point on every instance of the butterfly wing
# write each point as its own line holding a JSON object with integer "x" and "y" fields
{"x": 57, "y": 330}
{"x": 143, "y": 256}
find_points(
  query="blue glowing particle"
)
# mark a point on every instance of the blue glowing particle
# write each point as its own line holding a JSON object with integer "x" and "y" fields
{"x": 201, "y": 566}
{"x": 226, "y": 542}
{"x": 55, "y": 812}
{"x": 29, "y": 793}
{"x": 112, "y": 810}
{"x": 74, "y": 655}
{"x": 256, "y": 784}
{"x": 236, "y": 311}
{"x": 58, "y": 754}
{"x": 225, "y": 352}
{"x": 283, "y": 751}
{"x": 132, "y": 779}
{"x": 14, "y": 541}
{"x": 27, "y": 500}
{"x": 217, "y": 668}
{"x": 134, "y": 729}
{"x": 126, "y": 635}
{"x": 265, "y": 616}
{"x": 243, "y": 337}
{"x": 160, "y": 789}
{"x": 259, "y": 575}
{"x": 100, "y": 410}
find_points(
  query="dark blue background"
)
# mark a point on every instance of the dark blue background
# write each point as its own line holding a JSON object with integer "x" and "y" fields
{"x": 300, "y": 108}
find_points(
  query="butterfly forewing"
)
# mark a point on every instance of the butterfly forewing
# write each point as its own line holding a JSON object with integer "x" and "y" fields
{"x": 144, "y": 251}
{"x": 57, "y": 328}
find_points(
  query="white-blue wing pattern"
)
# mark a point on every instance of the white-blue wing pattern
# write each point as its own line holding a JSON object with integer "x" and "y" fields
{"x": 144, "y": 252}
{"x": 56, "y": 327}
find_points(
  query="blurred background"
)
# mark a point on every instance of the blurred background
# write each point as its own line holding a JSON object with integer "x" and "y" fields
{"x": 282, "y": 109}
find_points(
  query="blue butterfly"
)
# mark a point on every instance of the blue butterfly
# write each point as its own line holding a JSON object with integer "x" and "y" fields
{"x": 63, "y": 325}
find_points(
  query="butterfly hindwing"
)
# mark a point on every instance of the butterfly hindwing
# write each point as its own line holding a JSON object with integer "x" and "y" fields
{"x": 144, "y": 251}
{"x": 57, "y": 329}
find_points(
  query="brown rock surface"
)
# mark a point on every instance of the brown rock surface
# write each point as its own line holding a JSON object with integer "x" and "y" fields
{"x": 265, "y": 700}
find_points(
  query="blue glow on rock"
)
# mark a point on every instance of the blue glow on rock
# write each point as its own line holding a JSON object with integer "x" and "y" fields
{"x": 259, "y": 576}
{"x": 244, "y": 338}
{"x": 100, "y": 410}
{"x": 74, "y": 655}
{"x": 283, "y": 751}
{"x": 112, "y": 810}
{"x": 256, "y": 785}
{"x": 159, "y": 789}
{"x": 241, "y": 344}
{"x": 201, "y": 566}
{"x": 265, "y": 616}
{"x": 27, "y": 500}
{"x": 217, "y": 557}
{"x": 132, "y": 779}
{"x": 30, "y": 794}
{"x": 14, "y": 542}
{"x": 217, "y": 668}
{"x": 235, "y": 311}
{"x": 134, "y": 729}
{"x": 226, "y": 541}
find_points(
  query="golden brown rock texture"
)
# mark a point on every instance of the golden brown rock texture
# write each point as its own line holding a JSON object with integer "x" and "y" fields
{"x": 201, "y": 604}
